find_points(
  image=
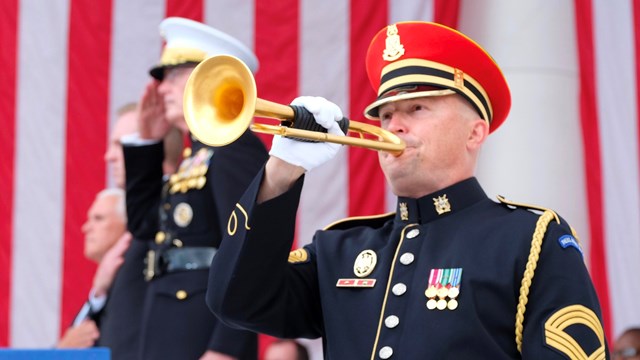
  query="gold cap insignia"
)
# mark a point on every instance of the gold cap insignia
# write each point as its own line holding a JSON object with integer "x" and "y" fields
{"x": 183, "y": 214}
{"x": 298, "y": 256}
{"x": 442, "y": 204}
{"x": 394, "y": 49}
{"x": 365, "y": 263}
{"x": 404, "y": 212}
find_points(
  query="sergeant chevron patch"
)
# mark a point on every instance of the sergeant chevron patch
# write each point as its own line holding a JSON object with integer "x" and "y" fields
{"x": 557, "y": 338}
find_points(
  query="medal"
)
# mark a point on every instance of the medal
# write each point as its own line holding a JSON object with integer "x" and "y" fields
{"x": 442, "y": 284}
{"x": 456, "y": 277}
{"x": 431, "y": 304}
{"x": 201, "y": 181}
{"x": 452, "y": 304}
{"x": 443, "y": 288}
{"x": 431, "y": 288}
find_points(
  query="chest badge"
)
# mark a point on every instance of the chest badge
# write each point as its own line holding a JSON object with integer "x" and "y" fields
{"x": 192, "y": 172}
{"x": 365, "y": 263}
{"x": 183, "y": 214}
{"x": 442, "y": 204}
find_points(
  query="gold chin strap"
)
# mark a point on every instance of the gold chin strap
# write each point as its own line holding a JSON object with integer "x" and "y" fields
{"x": 532, "y": 263}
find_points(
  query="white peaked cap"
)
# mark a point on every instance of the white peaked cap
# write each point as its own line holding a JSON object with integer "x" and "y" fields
{"x": 189, "y": 41}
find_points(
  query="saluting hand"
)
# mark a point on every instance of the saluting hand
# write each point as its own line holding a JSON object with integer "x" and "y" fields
{"x": 152, "y": 122}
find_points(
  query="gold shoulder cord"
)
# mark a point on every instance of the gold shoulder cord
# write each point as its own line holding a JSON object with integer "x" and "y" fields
{"x": 532, "y": 263}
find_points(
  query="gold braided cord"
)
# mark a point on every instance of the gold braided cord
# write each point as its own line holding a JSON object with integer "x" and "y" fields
{"x": 532, "y": 263}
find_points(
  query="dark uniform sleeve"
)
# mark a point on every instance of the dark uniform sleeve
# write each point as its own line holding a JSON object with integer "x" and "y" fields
{"x": 143, "y": 167}
{"x": 251, "y": 283}
{"x": 235, "y": 166}
{"x": 562, "y": 318}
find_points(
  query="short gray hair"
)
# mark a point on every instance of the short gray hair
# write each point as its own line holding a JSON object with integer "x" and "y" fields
{"x": 120, "y": 195}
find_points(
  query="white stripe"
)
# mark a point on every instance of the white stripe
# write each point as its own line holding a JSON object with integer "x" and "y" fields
{"x": 616, "y": 94}
{"x": 39, "y": 197}
{"x": 536, "y": 156}
{"x": 402, "y": 10}
{"x": 135, "y": 48}
{"x": 324, "y": 71}
{"x": 235, "y": 17}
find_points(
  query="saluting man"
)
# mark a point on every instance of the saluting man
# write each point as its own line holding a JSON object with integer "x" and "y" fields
{"x": 183, "y": 216}
{"x": 451, "y": 274}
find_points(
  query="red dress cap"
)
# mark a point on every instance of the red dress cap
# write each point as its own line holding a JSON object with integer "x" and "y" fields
{"x": 417, "y": 59}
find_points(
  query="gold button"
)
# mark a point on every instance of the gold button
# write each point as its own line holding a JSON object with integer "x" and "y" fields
{"x": 181, "y": 295}
{"x": 177, "y": 242}
{"x": 186, "y": 152}
{"x": 167, "y": 206}
{"x": 160, "y": 236}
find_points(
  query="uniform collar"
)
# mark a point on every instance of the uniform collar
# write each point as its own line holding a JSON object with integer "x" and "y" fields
{"x": 440, "y": 203}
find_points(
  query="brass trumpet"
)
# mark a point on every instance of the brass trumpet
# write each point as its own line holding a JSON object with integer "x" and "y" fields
{"x": 220, "y": 101}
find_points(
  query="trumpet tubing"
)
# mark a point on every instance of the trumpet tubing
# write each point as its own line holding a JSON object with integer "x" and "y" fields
{"x": 220, "y": 101}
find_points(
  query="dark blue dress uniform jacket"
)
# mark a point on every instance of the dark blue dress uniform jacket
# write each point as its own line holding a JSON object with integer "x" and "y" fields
{"x": 176, "y": 323}
{"x": 252, "y": 284}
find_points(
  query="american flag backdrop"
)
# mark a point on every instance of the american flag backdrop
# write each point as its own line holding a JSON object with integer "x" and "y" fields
{"x": 570, "y": 142}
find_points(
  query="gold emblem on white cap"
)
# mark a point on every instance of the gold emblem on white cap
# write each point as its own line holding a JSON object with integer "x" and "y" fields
{"x": 442, "y": 204}
{"x": 394, "y": 49}
{"x": 365, "y": 263}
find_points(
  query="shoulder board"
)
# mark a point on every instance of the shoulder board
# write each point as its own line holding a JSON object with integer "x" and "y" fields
{"x": 503, "y": 200}
{"x": 375, "y": 221}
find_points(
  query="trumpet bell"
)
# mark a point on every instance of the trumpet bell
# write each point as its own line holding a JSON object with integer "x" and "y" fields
{"x": 219, "y": 100}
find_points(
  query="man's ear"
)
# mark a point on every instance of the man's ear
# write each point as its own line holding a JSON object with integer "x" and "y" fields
{"x": 478, "y": 134}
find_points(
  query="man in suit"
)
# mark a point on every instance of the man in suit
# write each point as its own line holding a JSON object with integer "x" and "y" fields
{"x": 183, "y": 217}
{"x": 106, "y": 240}
{"x": 450, "y": 275}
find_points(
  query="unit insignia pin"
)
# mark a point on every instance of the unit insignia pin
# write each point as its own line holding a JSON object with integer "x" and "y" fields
{"x": 442, "y": 204}
{"x": 365, "y": 263}
{"x": 404, "y": 212}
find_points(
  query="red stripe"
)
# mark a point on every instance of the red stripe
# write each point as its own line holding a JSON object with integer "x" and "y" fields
{"x": 366, "y": 181}
{"x": 593, "y": 161}
{"x": 277, "y": 47}
{"x": 190, "y": 9}
{"x": 8, "y": 71}
{"x": 86, "y": 135}
{"x": 446, "y": 12}
{"x": 277, "y": 39}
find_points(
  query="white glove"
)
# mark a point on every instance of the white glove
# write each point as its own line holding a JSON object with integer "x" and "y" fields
{"x": 311, "y": 154}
